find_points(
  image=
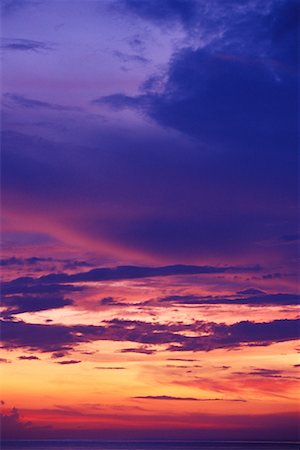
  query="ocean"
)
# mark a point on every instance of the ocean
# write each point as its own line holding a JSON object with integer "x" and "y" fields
{"x": 145, "y": 445}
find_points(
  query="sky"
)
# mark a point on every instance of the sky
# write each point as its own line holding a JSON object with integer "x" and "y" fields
{"x": 150, "y": 238}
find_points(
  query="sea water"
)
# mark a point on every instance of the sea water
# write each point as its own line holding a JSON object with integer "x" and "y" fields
{"x": 145, "y": 445}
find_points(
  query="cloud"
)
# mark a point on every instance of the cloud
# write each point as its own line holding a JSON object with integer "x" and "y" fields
{"x": 128, "y": 273}
{"x": 290, "y": 237}
{"x": 45, "y": 338}
{"x": 243, "y": 333}
{"x": 251, "y": 291}
{"x": 206, "y": 88}
{"x": 208, "y": 335}
{"x": 159, "y": 225}
{"x": 4, "y": 361}
{"x": 269, "y": 373}
{"x": 67, "y": 362}
{"x": 205, "y": 97}
{"x": 25, "y": 45}
{"x": 13, "y": 6}
{"x": 109, "y": 368}
{"x": 25, "y": 303}
{"x": 280, "y": 427}
{"x": 168, "y": 397}
{"x": 29, "y": 103}
{"x": 29, "y": 358}
{"x": 15, "y": 261}
{"x": 164, "y": 397}
{"x": 59, "y": 355}
{"x": 158, "y": 12}
{"x": 126, "y": 58}
{"x": 121, "y": 101}
{"x": 34, "y": 261}
{"x": 265, "y": 30}
{"x": 28, "y": 285}
{"x": 109, "y": 301}
{"x": 260, "y": 300}
{"x": 182, "y": 359}
{"x": 266, "y": 373}
{"x": 12, "y": 425}
{"x": 143, "y": 349}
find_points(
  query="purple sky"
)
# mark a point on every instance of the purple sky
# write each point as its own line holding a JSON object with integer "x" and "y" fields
{"x": 150, "y": 188}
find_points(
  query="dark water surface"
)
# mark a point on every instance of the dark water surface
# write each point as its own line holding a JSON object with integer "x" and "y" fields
{"x": 145, "y": 445}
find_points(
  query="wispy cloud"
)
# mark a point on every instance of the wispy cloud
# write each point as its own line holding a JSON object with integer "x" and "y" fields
{"x": 71, "y": 361}
{"x": 252, "y": 300}
{"x": 169, "y": 397}
{"x": 29, "y": 103}
{"x": 25, "y": 45}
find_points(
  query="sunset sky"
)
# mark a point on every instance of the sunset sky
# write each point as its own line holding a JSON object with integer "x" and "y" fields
{"x": 150, "y": 241}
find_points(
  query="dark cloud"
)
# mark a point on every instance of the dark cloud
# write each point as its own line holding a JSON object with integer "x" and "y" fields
{"x": 34, "y": 261}
{"x": 45, "y": 338}
{"x": 25, "y": 45}
{"x": 109, "y": 301}
{"x": 27, "y": 285}
{"x": 251, "y": 291}
{"x": 255, "y": 300}
{"x": 29, "y": 358}
{"x": 243, "y": 333}
{"x": 29, "y": 103}
{"x": 183, "y": 11}
{"x": 14, "y": 261}
{"x": 144, "y": 350}
{"x": 205, "y": 96}
{"x": 13, "y": 6}
{"x": 121, "y": 101}
{"x": 109, "y": 368}
{"x": 231, "y": 107}
{"x": 290, "y": 237}
{"x": 283, "y": 23}
{"x": 208, "y": 335}
{"x": 4, "y": 361}
{"x": 240, "y": 107}
{"x": 25, "y": 303}
{"x": 271, "y": 276}
{"x": 181, "y": 359}
{"x": 269, "y": 373}
{"x": 59, "y": 355}
{"x": 267, "y": 30}
{"x": 223, "y": 367}
{"x": 74, "y": 264}
{"x": 157, "y": 185}
{"x": 266, "y": 373}
{"x": 67, "y": 362}
{"x": 272, "y": 427}
{"x": 12, "y": 426}
{"x": 164, "y": 397}
{"x": 126, "y": 58}
{"x": 168, "y": 397}
{"x": 129, "y": 272}
{"x": 171, "y": 366}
